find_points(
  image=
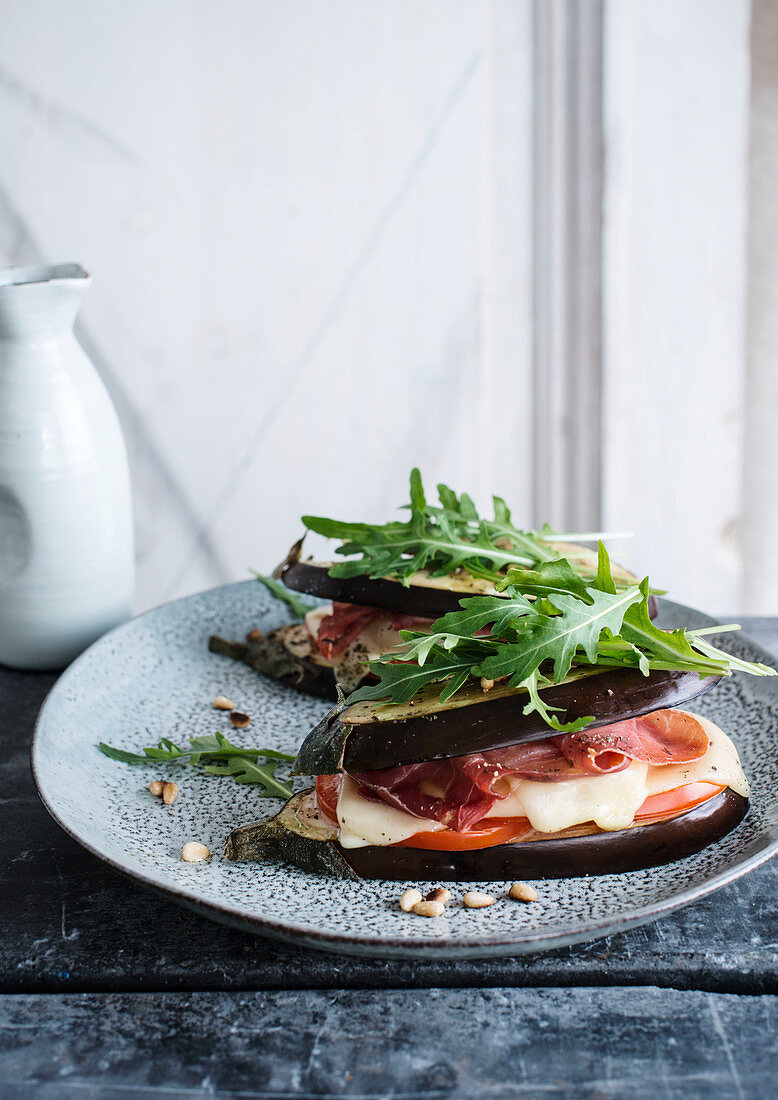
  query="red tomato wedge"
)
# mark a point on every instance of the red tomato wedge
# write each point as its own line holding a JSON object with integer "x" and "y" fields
{"x": 496, "y": 830}
{"x": 327, "y": 791}
{"x": 670, "y": 803}
{"x": 500, "y": 830}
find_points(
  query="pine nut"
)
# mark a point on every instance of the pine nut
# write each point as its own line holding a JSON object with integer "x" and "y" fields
{"x": 221, "y": 702}
{"x": 474, "y": 900}
{"x": 428, "y": 908}
{"x": 156, "y": 786}
{"x": 408, "y": 899}
{"x": 254, "y": 636}
{"x": 438, "y": 894}
{"x": 521, "y": 892}
{"x": 169, "y": 793}
{"x": 239, "y": 719}
{"x": 193, "y": 852}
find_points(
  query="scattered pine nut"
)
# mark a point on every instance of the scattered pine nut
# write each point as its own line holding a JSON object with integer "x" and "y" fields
{"x": 254, "y": 636}
{"x": 193, "y": 852}
{"x": 438, "y": 894}
{"x": 486, "y": 684}
{"x": 408, "y": 899}
{"x": 240, "y": 720}
{"x": 169, "y": 793}
{"x": 521, "y": 892}
{"x": 428, "y": 908}
{"x": 156, "y": 786}
{"x": 474, "y": 900}
{"x": 221, "y": 702}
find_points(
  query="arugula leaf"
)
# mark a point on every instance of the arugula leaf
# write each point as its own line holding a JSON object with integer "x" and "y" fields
{"x": 479, "y": 611}
{"x": 551, "y": 578}
{"x": 556, "y": 638}
{"x": 401, "y": 681}
{"x": 244, "y": 770}
{"x": 218, "y": 756}
{"x": 604, "y": 579}
{"x": 164, "y": 752}
{"x": 298, "y": 607}
{"x": 441, "y": 538}
{"x": 537, "y": 704}
{"x": 120, "y": 754}
{"x": 535, "y": 645}
{"x": 668, "y": 648}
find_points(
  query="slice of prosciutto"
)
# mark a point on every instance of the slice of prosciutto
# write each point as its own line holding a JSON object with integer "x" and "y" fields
{"x": 664, "y": 737}
{"x": 347, "y": 622}
{"x": 460, "y": 790}
{"x": 339, "y": 629}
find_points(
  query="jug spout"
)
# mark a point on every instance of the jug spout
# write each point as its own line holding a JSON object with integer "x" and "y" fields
{"x": 40, "y": 301}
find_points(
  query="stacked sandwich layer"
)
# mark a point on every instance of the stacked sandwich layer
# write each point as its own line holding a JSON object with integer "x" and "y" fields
{"x": 513, "y": 709}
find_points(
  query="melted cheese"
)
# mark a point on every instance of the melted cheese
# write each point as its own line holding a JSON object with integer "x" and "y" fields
{"x": 610, "y": 800}
{"x": 365, "y": 822}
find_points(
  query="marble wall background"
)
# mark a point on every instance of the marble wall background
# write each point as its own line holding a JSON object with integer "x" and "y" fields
{"x": 310, "y": 230}
{"x": 287, "y": 211}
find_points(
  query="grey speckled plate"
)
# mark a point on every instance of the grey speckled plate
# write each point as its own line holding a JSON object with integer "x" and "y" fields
{"x": 154, "y": 677}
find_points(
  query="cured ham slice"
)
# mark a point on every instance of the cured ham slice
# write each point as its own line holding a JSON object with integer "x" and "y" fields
{"x": 459, "y": 791}
{"x": 339, "y": 629}
{"x": 664, "y": 737}
{"x": 347, "y": 621}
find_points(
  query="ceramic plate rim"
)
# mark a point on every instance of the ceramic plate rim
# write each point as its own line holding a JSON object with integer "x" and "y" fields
{"x": 294, "y": 932}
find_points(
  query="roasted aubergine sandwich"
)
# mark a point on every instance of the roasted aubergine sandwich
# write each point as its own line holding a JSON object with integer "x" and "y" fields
{"x": 519, "y": 737}
{"x": 398, "y": 577}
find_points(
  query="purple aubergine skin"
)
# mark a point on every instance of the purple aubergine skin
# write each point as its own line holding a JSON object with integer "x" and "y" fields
{"x": 426, "y": 603}
{"x": 612, "y": 696}
{"x": 599, "y": 854}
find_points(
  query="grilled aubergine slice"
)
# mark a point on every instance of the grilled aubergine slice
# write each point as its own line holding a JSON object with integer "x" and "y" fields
{"x": 425, "y": 596}
{"x": 369, "y": 736}
{"x": 288, "y": 654}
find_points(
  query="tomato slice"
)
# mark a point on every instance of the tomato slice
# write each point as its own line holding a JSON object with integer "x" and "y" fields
{"x": 327, "y": 791}
{"x": 498, "y": 831}
{"x": 679, "y": 800}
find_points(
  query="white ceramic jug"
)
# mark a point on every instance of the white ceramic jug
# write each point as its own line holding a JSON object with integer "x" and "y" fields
{"x": 66, "y": 537}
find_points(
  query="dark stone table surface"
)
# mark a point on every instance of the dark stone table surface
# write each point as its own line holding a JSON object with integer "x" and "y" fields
{"x": 109, "y": 990}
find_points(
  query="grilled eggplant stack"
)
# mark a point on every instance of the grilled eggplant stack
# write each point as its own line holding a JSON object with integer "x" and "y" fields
{"x": 436, "y": 792}
{"x": 446, "y": 554}
{"x": 530, "y": 730}
{"x": 519, "y": 738}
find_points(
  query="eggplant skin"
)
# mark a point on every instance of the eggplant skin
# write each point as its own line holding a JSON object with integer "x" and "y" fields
{"x": 271, "y": 655}
{"x": 314, "y": 579}
{"x": 284, "y": 838}
{"x": 487, "y": 723}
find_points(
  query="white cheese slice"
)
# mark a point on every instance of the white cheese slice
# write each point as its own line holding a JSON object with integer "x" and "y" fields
{"x": 610, "y": 800}
{"x": 364, "y": 822}
{"x": 314, "y": 617}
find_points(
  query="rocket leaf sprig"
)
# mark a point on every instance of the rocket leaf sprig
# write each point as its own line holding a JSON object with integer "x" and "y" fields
{"x": 532, "y": 645}
{"x": 442, "y": 539}
{"x": 217, "y": 756}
